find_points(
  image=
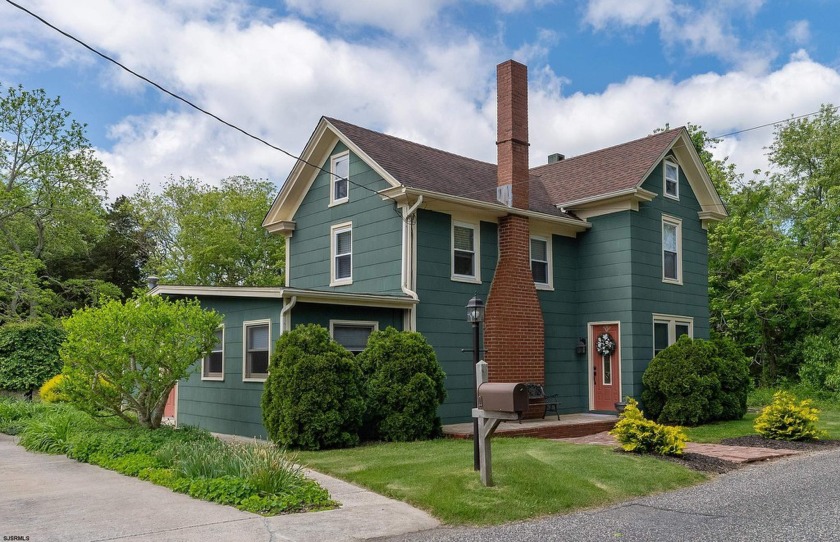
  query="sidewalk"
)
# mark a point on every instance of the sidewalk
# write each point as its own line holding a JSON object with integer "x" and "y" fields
{"x": 48, "y": 497}
{"x": 734, "y": 454}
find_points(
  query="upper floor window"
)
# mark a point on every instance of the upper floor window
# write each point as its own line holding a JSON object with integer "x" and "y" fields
{"x": 541, "y": 262}
{"x": 340, "y": 169}
{"x": 672, "y": 179}
{"x": 465, "y": 252}
{"x": 667, "y": 329}
{"x": 352, "y": 335}
{"x": 256, "y": 342}
{"x": 671, "y": 250}
{"x": 342, "y": 254}
{"x": 213, "y": 364}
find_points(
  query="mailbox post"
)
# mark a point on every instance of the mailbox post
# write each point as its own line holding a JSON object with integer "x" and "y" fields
{"x": 495, "y": 402}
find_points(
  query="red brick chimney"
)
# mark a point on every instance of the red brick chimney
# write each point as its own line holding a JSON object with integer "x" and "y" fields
{"x": 514, "y": 329}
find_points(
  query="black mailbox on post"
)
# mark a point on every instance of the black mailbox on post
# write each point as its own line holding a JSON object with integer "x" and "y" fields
{"x": 503, "y": 397}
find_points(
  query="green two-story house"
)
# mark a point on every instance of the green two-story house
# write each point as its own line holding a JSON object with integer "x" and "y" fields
{"x": 588, "y": 265}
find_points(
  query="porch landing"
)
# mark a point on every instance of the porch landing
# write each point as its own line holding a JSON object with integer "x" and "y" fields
{"x": 568, "y": 426}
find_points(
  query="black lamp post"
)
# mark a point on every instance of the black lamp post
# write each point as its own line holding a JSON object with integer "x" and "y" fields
{"x": 475, "y": 315}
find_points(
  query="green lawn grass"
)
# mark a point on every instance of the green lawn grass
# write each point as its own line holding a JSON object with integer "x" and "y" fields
{"x": 533, "y": 477}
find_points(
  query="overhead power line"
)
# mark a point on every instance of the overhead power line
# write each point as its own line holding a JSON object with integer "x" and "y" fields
{"x": 771, "y": 124}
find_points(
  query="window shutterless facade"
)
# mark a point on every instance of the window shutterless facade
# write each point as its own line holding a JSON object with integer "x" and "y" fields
{"x": 465, "y": 252}
{"x": 667, "y": 329}
{"x": 339, "y": 178}
{"x": 213, "y": 364}
{"x": 256, "y": 342}
{"x": 672, "y": 180}
{"x": 671, "y": 250}
{"x": 352, "y": 335}
{"x": 541, "y": 263}
{"x": 341, "y": 270}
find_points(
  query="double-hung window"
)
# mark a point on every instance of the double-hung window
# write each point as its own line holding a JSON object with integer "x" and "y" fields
{"x": 256, "y": 339}
{"x": 213, "y": 364}
{"x": 465, "y": 252}
{"x": 342, "y": 254}
{"x": 672, "y": 179}
{"x": 667, "y": 329}
{"x": 671, "y": 250}
{"x": 352, "y": 335}
{"x": 339, "y": 175}
{"x": 540, "y": 262}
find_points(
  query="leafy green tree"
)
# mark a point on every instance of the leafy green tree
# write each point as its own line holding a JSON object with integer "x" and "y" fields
{"x": 211, "y": 235}
{"x": 51, "y": 184}
{"x": 121, "y": 358}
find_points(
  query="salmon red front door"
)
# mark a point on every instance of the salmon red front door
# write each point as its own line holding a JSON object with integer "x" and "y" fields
{"x": 605, "y": 366}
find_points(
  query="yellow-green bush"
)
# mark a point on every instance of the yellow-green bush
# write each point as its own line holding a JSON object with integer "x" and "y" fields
{"x": 51, "y": 392}
{"x": 637, "y": 434}
{"x": 787, "y": 419}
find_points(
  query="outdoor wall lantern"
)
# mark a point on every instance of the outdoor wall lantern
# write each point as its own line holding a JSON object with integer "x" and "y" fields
{"x": 475, "y": 315}
{"x": 581, "y": 346}
{"x": 475, "y": 312}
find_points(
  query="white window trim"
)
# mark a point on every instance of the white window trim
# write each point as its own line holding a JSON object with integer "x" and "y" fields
{"x": 334, "y": 231}
{"x": 549, "y": 264}
{"x": 245, "y": 326}
{"x": 672, "y": 221}
{"x": 671, "y": 320}
{"x": 665, "y": 164}
{"x": 204, "y": 361}
{"x": 353, "y": 323}
{"x": 333, "y": 159}
{"x": 476, "y": 252}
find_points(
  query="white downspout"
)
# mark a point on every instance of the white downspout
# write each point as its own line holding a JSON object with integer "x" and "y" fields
{"x": 408, "y": 263}
{"x": 286, "y": 313}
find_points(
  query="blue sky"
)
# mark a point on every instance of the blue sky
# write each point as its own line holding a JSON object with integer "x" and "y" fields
{"x": 601, "y": 72}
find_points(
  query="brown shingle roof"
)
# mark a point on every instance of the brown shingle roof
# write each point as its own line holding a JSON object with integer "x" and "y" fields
{"x": 422, "y": 167}
{"x": 606, "y": 171}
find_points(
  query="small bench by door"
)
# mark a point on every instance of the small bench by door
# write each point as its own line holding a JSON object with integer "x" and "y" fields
{"x": 537, "y": 397}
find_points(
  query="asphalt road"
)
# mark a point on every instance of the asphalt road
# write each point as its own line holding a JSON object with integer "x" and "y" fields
{"x": 787, "y": 500}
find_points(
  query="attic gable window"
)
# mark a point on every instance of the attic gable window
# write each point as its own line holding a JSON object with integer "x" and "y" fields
{"x": 341, "y": 241}
{"x": 339, "y": 178}
{"x": 465, "y": 252}
{"x": 672, "y": 179}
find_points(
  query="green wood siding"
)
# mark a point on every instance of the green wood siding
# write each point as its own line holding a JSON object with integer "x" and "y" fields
{"x": 377, "y": 233}
{"x": 441, "y": 314}
{"x": 230, "y": 406}
{"x": 316, "y": 313}
{"x": 565, "y": 371}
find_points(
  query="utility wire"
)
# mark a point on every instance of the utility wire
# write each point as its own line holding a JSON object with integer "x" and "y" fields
{"x": 771, "y": 124}
{"x": 181, "y": 98}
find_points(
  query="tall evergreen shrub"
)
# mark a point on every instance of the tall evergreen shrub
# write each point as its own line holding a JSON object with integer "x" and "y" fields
{"x": 313, "y": 396}
{"x": 404, "y": 386}
{"x": 29, "y": 355}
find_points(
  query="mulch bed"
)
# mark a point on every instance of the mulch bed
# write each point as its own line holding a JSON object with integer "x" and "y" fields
{"x": 703, "y": 463}
{"x": 761, "y": 442}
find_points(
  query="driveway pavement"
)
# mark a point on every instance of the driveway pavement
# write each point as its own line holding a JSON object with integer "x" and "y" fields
{"x": 46, "y": 497}
{"x": 792, "y": 499}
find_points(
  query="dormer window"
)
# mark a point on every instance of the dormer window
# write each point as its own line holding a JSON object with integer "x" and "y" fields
{"x": 672, "y": 179}
{"x": 339, "y": 178}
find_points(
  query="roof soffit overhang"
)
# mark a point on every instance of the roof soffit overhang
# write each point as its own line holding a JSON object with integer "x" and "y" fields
{"x": 304, "y": 172}
{"x": 489, "y": 212}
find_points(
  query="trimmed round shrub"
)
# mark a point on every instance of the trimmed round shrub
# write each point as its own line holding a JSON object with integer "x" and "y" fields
{"x": 403, "y": 386}
{"x": 313, "y": 396}
{"x": 29, "y": 355}
{"x": 787, "y": 419}
{"x": 695, "y": 381}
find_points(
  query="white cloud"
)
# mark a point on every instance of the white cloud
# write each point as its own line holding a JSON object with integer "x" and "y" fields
{"x": 398, "y": 16}
{"x": 706, "y": 30}
{"x": 799, "y": 32}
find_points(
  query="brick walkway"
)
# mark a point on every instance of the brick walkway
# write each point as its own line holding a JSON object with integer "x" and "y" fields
{"x": 734, "y": 454}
